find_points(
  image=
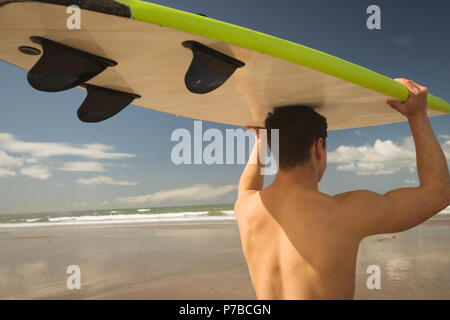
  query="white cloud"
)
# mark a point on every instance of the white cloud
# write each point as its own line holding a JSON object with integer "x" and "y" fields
{"x": 384, "y": 157}
{"x": 9, "y": 161}
{"x": 105, "y": 180}
{"x": 84, "y": 166}
{"x": 445, "y": 136}
{"x": 34, "y": 163}
{"x": 31, "y": 160}
{"x": 411, "y": 182}
{"x": 36, "y": 172}
{"x": 77, "y": 204}
{"x": 50, "y": 149}
{"x": 359, "y": 133}
{"x": 7, "y": 173}
{"x": 374, "y": 168}
{"x": 196, "y": 192}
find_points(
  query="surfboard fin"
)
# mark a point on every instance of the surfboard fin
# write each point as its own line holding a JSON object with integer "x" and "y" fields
{"x": 62, "y": 67}
{"x": 209, "y": 68}
{"x": 103, "y": 103}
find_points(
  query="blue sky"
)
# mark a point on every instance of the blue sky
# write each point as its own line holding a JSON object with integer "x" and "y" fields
{"x": 51, "y": 161}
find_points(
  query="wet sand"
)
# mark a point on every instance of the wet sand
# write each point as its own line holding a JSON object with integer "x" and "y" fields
{"x": 201, "y": 261}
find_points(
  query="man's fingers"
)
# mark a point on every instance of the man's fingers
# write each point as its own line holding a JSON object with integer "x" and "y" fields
{"x": 401, "y": 80}
{"x": 421, "y": 88}
{"x": 417, "y": 97}
{"x": 413, "y": 87}
{"x": 407, "y": 83}
{"x": 252, "y": 128}
{"x": 404, "y": 81}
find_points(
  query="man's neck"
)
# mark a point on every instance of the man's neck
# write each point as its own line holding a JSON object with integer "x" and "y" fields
{"x": 303, "y": 177}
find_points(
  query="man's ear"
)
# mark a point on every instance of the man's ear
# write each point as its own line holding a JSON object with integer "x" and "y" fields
{"x": 319, "y": 149}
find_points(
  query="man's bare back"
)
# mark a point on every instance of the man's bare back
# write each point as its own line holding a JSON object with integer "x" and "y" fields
{"x": 300, "y": 249}
{"x": 300, "y": 243}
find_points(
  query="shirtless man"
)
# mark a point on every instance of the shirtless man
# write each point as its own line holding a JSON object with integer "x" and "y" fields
{"x": 300, "y": 243}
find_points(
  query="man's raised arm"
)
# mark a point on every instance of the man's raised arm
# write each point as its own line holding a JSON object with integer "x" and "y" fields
{"x": 251, "y": 179}
{"x": 404, "y": 208}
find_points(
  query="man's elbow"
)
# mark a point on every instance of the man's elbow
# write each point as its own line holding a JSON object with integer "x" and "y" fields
{"x": 446, "y": 195}
{"x": 445, "y": 189}
{"x": 439, "y": 196}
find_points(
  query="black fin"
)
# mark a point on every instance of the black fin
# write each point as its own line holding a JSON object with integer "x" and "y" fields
{"x": 209, "y": 68}
{"x": 103, "y": 103}
{"x": 62, "y": 67}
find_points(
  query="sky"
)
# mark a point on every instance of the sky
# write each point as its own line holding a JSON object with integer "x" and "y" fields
{"x": 50, "y": 161}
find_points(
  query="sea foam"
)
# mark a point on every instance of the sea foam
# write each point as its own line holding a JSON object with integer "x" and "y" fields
{"x": 123, "y": 218}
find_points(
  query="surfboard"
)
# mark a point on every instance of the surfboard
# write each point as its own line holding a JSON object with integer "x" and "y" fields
{"x": 133, "y": 52}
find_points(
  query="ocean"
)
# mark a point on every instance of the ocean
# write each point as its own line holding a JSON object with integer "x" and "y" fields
{"x": 116, "y": 216}
{"x": 172, "y": 214}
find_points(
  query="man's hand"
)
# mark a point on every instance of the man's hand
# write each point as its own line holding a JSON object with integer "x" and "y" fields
{"x": 254, "y": 130}
{"x": 416, "y": 103}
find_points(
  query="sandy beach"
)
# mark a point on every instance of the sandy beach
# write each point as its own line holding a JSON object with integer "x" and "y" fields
{"x": 200, "y": 260}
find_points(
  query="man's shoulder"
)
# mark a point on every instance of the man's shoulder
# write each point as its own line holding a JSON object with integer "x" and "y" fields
{"x": 354, "y": 196}
{"x": 351, "y": 204}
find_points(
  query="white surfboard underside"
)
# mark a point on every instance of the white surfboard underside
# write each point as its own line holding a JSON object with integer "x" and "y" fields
{"x": 152, "y": 63}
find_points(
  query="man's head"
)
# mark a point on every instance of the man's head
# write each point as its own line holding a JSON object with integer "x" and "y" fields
{"x": 302, "y": 137}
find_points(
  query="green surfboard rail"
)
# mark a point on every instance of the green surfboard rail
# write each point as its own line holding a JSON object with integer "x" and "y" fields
{"x": 273, "y": 46}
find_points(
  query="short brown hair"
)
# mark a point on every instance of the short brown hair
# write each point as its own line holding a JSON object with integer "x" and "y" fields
{"x": 299, "y": 127}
